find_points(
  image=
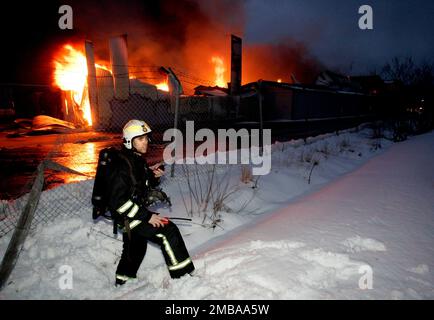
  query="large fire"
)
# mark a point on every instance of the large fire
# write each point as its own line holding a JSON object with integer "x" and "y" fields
{"x": 219, "y": 70}
{"x": 70, "y": 74}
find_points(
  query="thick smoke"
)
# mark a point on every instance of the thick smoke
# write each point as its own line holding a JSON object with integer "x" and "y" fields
{"x": 184, "y": 35}
{"x": 287, "y": 60}
{"x": 174, "y": 33}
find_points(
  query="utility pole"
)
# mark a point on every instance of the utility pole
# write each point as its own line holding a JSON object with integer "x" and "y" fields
{"x": 261, "y": 120}
{"x": 176, "y": 90}
{"x": 91, "y": 83}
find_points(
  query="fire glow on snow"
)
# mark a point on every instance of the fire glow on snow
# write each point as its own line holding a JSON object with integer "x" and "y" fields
{"x": 362, "y": 229}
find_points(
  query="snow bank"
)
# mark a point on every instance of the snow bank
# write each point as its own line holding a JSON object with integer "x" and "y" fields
{"x": 293, "y": 239}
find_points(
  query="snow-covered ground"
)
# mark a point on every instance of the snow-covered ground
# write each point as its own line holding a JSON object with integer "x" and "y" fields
{"x": 361, "y": 229}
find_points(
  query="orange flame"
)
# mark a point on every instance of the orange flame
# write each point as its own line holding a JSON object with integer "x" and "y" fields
{"x": 70, "y": 74}
{"x": 219, "y": 71}
{"x": 164, "y": 86}
{"x": 103, "y": 67}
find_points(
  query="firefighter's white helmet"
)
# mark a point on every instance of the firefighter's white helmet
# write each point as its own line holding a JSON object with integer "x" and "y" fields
{"x": 132, "y": 129}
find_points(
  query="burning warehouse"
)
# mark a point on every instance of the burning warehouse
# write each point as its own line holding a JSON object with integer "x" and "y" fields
{"x": 89, "y": 87}
{"x": 106, "y": 95}
{"x": 198, "y": 45}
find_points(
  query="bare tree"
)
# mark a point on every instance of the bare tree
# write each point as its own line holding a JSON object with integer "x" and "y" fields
{"x": 405, "y": 69}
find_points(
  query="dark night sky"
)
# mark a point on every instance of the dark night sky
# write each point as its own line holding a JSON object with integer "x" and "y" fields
{"x": 328, "y": 29}
{"x": 27, "y": 30}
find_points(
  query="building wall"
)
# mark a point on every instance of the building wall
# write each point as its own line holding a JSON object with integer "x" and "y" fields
{"x": 277, "y": 103}
{"x": 292, "y": 103}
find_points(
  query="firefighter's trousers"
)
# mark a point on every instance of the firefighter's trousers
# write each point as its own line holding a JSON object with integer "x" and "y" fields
{"x": 168, "y": 238}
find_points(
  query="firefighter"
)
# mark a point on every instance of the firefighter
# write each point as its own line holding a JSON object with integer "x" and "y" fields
{"x": 129, "y": 183}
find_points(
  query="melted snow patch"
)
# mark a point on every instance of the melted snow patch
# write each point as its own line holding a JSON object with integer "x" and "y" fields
{"x": 358, "y": 244}
{"x": 420, "y": 269}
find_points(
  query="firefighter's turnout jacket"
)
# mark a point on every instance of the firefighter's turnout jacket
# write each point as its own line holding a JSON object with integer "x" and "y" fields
{"x": 129, "y": 184}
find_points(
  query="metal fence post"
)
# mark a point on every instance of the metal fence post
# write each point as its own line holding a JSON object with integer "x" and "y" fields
{"x": 261, "y": 121}
{"x": 177, "y": 90}
{"x": 91, "y": 83}
{"x": 175, "y": 127}
{"x": 22, "y": 229}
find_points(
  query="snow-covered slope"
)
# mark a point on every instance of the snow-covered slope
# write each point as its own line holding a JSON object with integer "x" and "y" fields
{"x": 361, "y": 229}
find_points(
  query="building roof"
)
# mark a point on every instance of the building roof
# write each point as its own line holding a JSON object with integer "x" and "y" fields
{"x": 211, "y": 91}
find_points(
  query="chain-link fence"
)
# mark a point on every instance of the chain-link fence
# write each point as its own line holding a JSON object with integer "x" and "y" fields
{"x": 70, "y": 158}
{"x": 78, "y": 149}
{"x": 58, "y": 161}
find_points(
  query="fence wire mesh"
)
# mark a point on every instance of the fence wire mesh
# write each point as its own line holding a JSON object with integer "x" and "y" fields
{"x": 78, "y": 149}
